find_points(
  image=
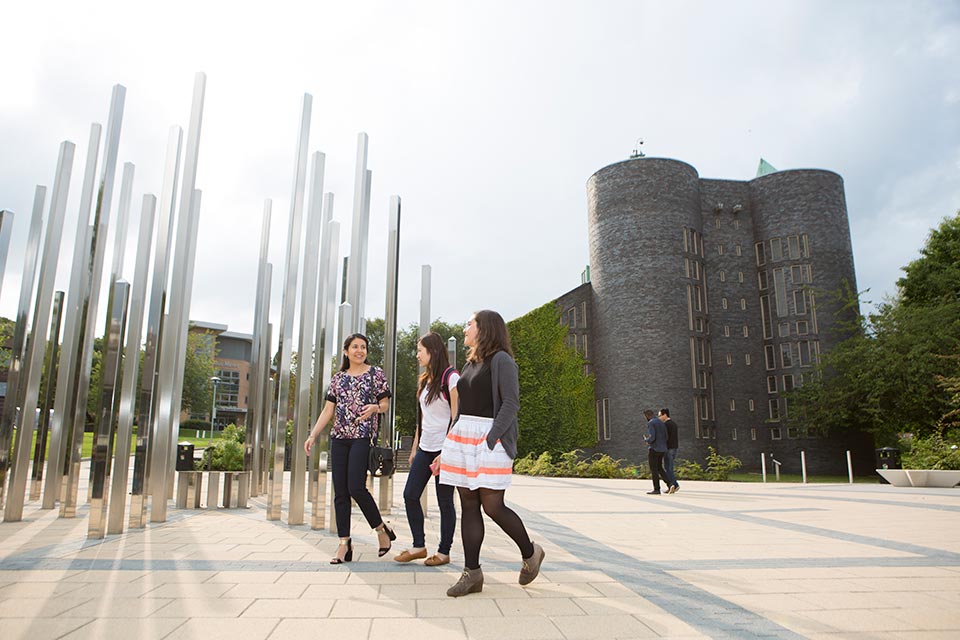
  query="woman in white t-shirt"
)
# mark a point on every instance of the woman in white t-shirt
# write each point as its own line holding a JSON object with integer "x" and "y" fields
{"x": 436, "y": 406}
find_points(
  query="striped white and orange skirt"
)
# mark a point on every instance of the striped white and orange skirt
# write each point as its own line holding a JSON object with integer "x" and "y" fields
{"x": 467, "y": 461}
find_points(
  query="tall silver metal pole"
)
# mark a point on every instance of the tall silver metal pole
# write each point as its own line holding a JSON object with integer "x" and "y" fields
{"x": 390, "y": 341}
{"x": 142, "y": 464}
{"x": 287, "y": 307}
{"x": 360, "y": 311}
{"x": 354, "y": 269}
{"x": 100, "y": 458}
{"x": 60, "y": 431}
{"x": 322, "y": 347}
{"x": 425, "y": 277}
{"x": 6, "y": 232}
{"x": 267, "y": 410}
{"x": 37, "y": 345}
{"x": 308, "y": 302}
{"x": 50, "y": 375}
{"x": 331, "y": 243}
{"x": 91, "y": 300}
{"x": 452, "y": 351}
{"x": 131, "y": 366}
{"x": 345, "y": 322}
{"x": 258, "y": 352}
{"x": 174, "y": 348}
{"x": 18, "y": 346}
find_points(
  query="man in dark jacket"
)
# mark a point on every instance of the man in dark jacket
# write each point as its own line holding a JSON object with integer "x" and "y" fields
{"x": 673, "y": 443}
{"x": 657, "y": 441}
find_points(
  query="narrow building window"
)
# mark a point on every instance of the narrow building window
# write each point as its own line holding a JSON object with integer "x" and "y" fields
{"x": 733, "y": 404}
{"x": 729, "y": 359}
{"x": 776, "y": 249}
{"x": 746, "y": 359}
{"x": 750, "y": 404}
{"x": 740, "y": 277}
{"x": 761, "y": 254}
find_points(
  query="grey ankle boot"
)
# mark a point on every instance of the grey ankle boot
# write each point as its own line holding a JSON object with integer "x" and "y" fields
{"x": 471, "y": 581}
{"x": 531, "y": 565}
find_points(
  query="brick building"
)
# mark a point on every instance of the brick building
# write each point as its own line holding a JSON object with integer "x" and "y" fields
{"x": 711, "y": 297}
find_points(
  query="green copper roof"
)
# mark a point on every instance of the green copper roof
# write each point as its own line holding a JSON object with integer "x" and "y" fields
{"x": 764, "y": 168}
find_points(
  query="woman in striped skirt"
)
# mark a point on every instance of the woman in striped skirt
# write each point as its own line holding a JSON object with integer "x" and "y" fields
{"x": 477, "y": 455}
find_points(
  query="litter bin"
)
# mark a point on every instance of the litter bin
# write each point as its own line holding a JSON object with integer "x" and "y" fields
{"x": 888, "y": 458}
{"x": 184, "y": 456}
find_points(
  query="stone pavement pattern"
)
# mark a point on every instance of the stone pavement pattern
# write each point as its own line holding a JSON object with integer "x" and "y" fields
{"x": 716, "y": 560}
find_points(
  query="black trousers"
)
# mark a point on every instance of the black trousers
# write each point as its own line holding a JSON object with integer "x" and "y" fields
{"x": 655, "y": 458}
{"x": 350, "y": 458}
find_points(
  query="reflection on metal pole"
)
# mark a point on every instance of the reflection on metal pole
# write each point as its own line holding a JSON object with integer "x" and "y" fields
{"x": 253, "y": 443}
{"x": 146, "y": 413}
{"x": 6, "y": 232}
{"x": 390, "y": 342}
{"x": 131, "y": 366}
{"x": 18, "y": 344}
{"x": 425, "y": 277}
{"x": 100, "y": 459}
{"x": 50, "y": 375}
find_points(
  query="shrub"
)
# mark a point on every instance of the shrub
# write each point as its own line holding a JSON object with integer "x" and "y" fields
{"x": 195, "y": 424}
{"x": 719, "y": 467}
{"x": 573, "y": 465}
{"x": 689, "y": 470}
{"x": 933, "y": 452}
{"x": 227, "y": 452}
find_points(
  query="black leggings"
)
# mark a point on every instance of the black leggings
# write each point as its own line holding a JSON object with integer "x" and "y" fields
{"x": 471, "y": 523}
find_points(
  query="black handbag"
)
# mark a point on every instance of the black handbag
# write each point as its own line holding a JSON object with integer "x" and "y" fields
{"x": 382, "y": 460}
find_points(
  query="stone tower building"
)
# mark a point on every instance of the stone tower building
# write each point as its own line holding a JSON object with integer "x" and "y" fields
{"x": 712, "y": 298}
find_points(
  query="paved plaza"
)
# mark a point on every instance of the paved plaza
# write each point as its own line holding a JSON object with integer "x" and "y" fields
{"x": 716, "y": 560}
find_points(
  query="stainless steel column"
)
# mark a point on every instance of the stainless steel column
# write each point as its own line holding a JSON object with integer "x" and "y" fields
{"x": 360, "y": 310}
{"x": 6, "y": 231}
{"x": 100, "y": 458}
{"x": 18, "y": 345}
{"x": 37, "y": 345}
{"x": 287, "y": 308}
{"x": 50, "y": 375}
{"x": 452, "y": 351}
{"x": 330, "y": 259}
{"x": 305, "y": 347}
{"x": 259, "y": 351}
{"x": 357, "y": 237}
{"x": 174, "y": 337}
{"x": 63, "y": 404}
{"x": 91, "y": 300}
{"x": 140, "y": 486}
{"x": 131, "y": 366}
{"x": 425, "y": 277}
{"x": 390, "y": 342}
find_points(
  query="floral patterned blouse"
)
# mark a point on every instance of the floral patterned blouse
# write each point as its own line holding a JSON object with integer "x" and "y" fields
{"x": 350, "y": 394}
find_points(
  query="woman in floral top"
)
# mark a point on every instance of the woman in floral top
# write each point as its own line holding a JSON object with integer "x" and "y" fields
{"x": 357, "y": 394}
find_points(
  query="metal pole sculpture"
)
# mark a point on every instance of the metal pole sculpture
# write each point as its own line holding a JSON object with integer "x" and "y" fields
{"x": 289, "y": 301}
{"x": 267, "y": 411}
{"x": 360, "y": 312}
{"x": 18, "y": 346}
{"x": 37, "y": 345}
{"x": 452, "y": 351}
{"x": 60, "y": 432}
{"x": 213, "y": 482}
{"x": 119, "y": 248}
{"x": 174, "y": 335}
{"x": 91, "y": 299}
{"x": 308, "y": 310}
{"x": 330, "y": 259}
{"x": 131, "y": 366}
{"x": 321, "y": 345}
{"x": 425, "y": 276}
{"x": 6, "y": 231}
{"x": 50, "y": 374}
{"x": 154, "y": 326}
{"x": 345, "y": 322}
{"x": 355, "y": 269}
{"x": 390, "y": 341}
{"x": 100, "y": 459}
{"x": 258, "y": 353}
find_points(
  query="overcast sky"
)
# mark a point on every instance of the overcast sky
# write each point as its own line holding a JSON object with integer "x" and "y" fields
{"x": 487, "y": 118}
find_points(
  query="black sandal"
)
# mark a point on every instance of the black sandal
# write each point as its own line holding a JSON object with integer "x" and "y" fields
{"x": 348, "y": 556}
{"x": 391, "y": 536}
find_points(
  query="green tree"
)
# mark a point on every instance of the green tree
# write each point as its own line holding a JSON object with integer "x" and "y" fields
{"x": 198, "y": 368}
{"x": 894, "y": 373}
{"x": 556, "y": 398}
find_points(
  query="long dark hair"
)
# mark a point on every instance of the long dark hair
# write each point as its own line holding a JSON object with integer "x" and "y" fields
{"x": 432, "y": 376}
{"x": 492, "y": 336}
{"x": 345, "y": 361}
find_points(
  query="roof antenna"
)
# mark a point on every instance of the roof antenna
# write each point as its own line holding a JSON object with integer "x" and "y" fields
{"x": 637, "y": 153}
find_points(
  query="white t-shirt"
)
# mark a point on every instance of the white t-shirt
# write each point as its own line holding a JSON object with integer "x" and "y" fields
{"x": 436, "y": 418}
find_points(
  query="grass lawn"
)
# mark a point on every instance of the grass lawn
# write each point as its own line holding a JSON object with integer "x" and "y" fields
{"x": 186, "y": 435}
{"x": 796, "y": 477}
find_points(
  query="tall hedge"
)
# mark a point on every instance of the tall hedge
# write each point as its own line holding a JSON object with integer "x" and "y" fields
{"x": 556, "y": 398}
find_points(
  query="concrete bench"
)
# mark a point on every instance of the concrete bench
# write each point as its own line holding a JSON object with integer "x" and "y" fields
{"x": 920, "y": 477}
{"x": 236, "y": 489}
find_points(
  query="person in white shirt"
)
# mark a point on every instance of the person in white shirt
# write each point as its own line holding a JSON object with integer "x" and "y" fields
{"x": 436, "y": 406}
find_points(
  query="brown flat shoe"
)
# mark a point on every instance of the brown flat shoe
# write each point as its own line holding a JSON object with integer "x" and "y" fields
{"x": 408, "y": 555}
{"x": 436, "y": 560}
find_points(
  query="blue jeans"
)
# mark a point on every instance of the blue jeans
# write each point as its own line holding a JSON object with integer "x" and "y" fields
{"x": 417, "y": 480}
{"x": 668, "y": 472}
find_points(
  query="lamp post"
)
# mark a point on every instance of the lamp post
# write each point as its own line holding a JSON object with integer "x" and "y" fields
{"x": 214, "y": 380}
